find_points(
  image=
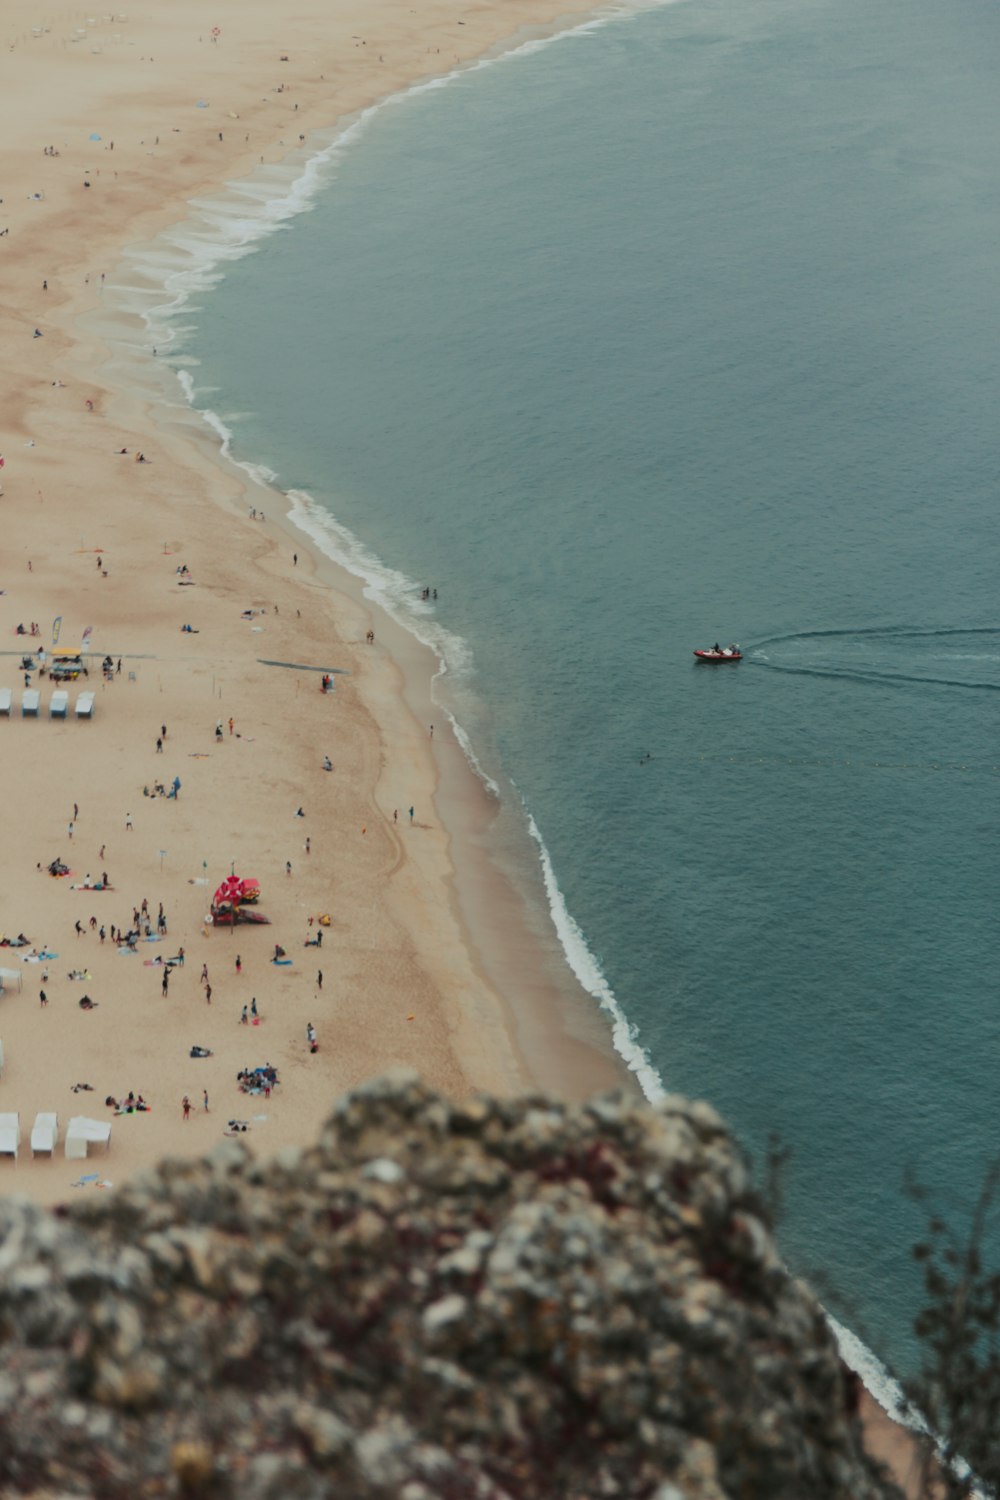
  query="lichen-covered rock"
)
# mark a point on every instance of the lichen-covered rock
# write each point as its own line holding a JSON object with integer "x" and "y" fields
{"x": 480, "y": 1300}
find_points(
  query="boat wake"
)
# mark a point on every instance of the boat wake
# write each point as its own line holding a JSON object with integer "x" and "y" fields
{"x": 888, "y": 656}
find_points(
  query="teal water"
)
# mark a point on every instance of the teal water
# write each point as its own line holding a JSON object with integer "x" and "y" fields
{"x": 679, "y": 329}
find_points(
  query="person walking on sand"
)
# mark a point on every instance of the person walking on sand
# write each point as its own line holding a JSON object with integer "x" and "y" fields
{"x": 128, "y": 823}
{"x": 319, "y": 980}
{"x": 288, "y": 867}
{"x": 204, "y": 973}
{"x": 231, "y": 722}
{"x": 204, "y": 1097}
{"x": 208, "y": 994}
{"x": 253, "y": 1007}
{"x": 43, "y": 998}
{"x": 186, "y": 1107}
{"x": 166, "y": 981}
{"x": 239, "y": 964}
{"x": 411, "y": 814}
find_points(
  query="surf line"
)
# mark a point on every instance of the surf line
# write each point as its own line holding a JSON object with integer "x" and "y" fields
{"x": 881, "y": 679}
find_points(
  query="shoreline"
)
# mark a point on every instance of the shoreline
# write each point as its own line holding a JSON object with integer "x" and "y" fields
{"x": 75, "y": 410}
{"x": 516, "y": 1050}
{"x": 564, "y": 1024}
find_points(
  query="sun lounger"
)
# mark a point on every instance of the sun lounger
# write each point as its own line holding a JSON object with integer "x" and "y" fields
{"x": 6, "y": 697}
{"x": 29, "y": 702}
{"x": 44, "y": 1133}
{"x": 80, "y": 1132}
{"x": 85, "y": 705}
{"x": 10, "y": 1134}
{"x": 59, "y": 704}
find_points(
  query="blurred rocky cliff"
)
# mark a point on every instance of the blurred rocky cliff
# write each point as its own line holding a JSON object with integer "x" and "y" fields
{"x": 438, "y": 1301}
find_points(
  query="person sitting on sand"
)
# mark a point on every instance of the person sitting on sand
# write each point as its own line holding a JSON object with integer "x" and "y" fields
{"x": 85, "y": 1003}
{"x": 327, "y": 763}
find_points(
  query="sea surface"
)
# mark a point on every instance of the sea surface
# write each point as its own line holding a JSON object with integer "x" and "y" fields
{"x": 685, "y": 327}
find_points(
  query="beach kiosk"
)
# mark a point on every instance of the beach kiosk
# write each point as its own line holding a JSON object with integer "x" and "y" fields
{"x": 66, "y": 664}
{"x": 81, "y": 1131}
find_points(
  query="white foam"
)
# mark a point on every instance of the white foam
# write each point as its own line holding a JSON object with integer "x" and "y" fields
{"x": 875, "y": 1378}
{"x": 192, "y": 256}
{"x": 588, "y": 972}
{"x": 387, "y": 587}
{"x": 889, "y": 1394}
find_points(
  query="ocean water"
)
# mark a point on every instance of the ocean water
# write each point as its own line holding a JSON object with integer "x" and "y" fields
{"x": 684, "y": 327}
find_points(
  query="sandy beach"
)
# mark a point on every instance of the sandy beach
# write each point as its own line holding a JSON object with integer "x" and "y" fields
{"x": 106, "y": 146}
{"x": 112, "y": 124}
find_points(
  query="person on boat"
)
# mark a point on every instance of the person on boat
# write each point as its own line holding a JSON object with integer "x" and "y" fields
{"x": 717, "y": 648}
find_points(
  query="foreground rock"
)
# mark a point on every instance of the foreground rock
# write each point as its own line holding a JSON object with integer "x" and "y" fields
{"x": 438, "y": 1302}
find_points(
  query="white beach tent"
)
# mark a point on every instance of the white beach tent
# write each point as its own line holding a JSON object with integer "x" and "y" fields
{"x": 6, "y": 698}
{"x": 85, "y": 705}
{"x": 29, "y": 702}
{"x": 44, "y": 1133}
{"x": 80, "y": 1132}
{"x": 59, "y": 704}
{"x": 11, "y": 978}
{"x": 10, "y": 1134}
